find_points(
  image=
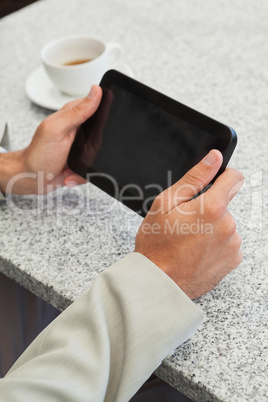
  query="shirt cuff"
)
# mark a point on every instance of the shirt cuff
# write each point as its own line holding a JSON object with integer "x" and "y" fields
{"x": 4, "y": 144}
{"x": 2, "y": 195}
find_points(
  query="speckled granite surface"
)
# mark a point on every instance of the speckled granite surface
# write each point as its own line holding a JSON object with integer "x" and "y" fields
{"x": 210, "y": 55}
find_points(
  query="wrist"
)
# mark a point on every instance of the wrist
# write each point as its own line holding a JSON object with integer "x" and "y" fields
{"x": 11, "y": 165}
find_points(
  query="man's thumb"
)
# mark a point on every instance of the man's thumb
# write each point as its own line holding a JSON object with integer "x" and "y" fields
{"x": 194, "y": 181}
{"x": 79, "y": 112}
{"x": 197, "y": 178}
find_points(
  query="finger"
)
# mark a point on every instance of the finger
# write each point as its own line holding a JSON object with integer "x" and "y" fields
{"x": 191, "y": 183}
{"x": 73, "y": 179}
{"x": 225, "y": 188}
{"x": 79, "y": 112}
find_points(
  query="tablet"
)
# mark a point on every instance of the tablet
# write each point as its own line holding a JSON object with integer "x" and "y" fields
{"x": 139, "y": 142}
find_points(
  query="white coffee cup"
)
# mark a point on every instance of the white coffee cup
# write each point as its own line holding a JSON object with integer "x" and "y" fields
{"x": 76, "y": 79}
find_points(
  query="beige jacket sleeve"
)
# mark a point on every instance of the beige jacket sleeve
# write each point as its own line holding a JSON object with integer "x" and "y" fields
{"x": 108, "y": 342}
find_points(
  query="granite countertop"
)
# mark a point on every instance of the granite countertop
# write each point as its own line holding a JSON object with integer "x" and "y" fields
{"x": 212, "y": 56}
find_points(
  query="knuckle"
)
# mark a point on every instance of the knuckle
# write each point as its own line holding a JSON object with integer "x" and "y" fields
{"x": 235, "y": 174}
{"x": 77, "y": 110}
{"x": 229, "y": 226}
{"x": 160, "y": 203}
{"x": 216, "y": 210}
{"x": 154, "y": 207}
{"x": 237, "y": 241}
{"x": 194, "y": 178}
{"x": 43, "y": 125}
{"x": 81, "y": 109}
{"x": 238, "y": 258}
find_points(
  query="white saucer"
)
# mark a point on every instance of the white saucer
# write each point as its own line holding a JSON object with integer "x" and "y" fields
{"x": 42, "y": 91}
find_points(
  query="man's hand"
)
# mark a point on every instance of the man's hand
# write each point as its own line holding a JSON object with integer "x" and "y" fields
{"x": 194, "y": 240}
{"x": 48, "y": 150}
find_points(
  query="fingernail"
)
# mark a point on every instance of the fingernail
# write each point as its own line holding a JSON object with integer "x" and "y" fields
{"x": 211, "y": 158}
{"x": 71, "y": 183}
{"x": 92, "y": 92}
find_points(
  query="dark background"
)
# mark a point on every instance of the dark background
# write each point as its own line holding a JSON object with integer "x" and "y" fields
{"x": 8, "y": 6}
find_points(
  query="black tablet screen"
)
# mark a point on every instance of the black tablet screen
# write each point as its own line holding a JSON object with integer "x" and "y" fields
{"x": 134, "y": 148}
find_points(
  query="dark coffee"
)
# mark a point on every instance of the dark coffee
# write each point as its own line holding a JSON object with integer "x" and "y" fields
{"x": 73, "y": 63}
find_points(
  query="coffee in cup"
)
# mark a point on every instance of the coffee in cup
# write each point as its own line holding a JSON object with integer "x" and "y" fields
{"x": 72, "y": 63}
{"x": 75, "y": 63}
